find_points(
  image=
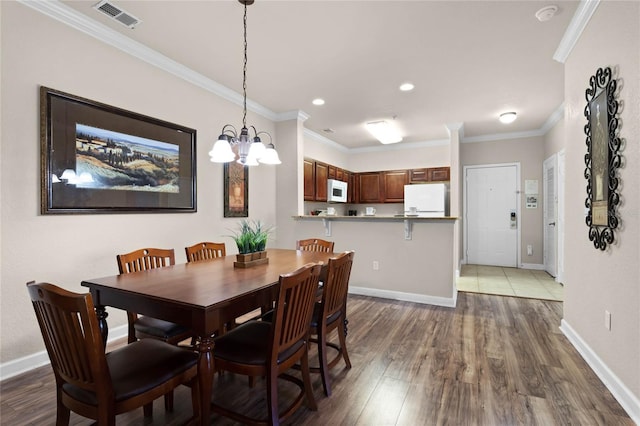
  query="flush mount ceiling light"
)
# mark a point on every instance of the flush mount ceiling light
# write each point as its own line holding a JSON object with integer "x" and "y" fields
{"x": 250, "y": 150}
{"x": 508, "y": 117}
{"x": 318, "y": 101}
{"x": 384, "y": 131}
{"x": 406, "y": 87}
{"x": 546, "y": 13}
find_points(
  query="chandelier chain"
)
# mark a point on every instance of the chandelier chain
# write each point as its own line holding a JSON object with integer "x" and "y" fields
{"x": 244, "y": 71}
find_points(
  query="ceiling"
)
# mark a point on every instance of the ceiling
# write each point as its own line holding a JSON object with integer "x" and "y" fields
{"x": 469, "y": 60}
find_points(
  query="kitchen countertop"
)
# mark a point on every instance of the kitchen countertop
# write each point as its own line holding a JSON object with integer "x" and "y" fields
{"x": 374, "y": 217}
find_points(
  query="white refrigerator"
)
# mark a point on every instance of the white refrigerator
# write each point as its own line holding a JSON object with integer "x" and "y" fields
{"x": 429, "y": 200}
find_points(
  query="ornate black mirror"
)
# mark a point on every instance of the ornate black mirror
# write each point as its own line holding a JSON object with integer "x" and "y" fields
{"x": 602, "y": 159}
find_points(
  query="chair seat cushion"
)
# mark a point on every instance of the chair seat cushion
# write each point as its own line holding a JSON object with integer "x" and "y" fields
{"x": 138, "y": 367}
{"x": 158, "y": 328}
{"x": 249, "y": 344}
{"x": 316, "y": 319}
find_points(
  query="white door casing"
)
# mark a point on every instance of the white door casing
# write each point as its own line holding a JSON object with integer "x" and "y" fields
{"x": 550, "y": 216}
{"x": 491, "y": 197}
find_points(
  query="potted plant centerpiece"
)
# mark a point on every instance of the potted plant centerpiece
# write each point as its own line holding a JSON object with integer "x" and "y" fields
{"x": 251, "y": 240}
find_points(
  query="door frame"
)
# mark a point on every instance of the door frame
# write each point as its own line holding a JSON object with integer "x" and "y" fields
{"x": 560, "y": 178}
{"x": 465, "y": 222}
{"x": 550, "y": 163}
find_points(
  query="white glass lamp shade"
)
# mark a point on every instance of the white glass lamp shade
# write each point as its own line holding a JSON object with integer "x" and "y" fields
{"x": 221, "y": 152}
{"x": 270, "y": 156}
{"x": 249, "y": 161}
{"x": 257, "y": 149}
{"x": 54, "y": 178}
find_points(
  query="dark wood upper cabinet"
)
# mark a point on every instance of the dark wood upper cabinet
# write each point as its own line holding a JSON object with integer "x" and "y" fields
{"x": 419, "y": 175}
{"x": 309, "y": 180}
{"x": 439, "y": 174}
{"x": 331, "y": 174}
{"x": 370, "y": 187}
{"x": 394, "y": 182}
{"x": 322, "y": 174}
{"x": 340, "y": 175}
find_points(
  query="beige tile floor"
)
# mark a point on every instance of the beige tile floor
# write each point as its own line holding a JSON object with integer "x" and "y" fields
{"x": 527, "y": 283}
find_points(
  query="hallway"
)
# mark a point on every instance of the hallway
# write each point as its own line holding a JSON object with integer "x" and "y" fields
{"x": 532, "y": 284}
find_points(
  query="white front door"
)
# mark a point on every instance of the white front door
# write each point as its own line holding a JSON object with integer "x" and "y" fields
{"x": 492, "y": 214}
{"x": 550, "y": 214}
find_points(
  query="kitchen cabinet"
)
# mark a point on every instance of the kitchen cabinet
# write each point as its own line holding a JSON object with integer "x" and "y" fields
{"x": 331, "y": 173}
{"x": 309, "y": 180}
{"x": 394, "y": 182}
{"x": 439, "y": 174}
{"x": 435, "y": 174}
{"x": 370, "y": 187}
{"x": 321, "y": 176}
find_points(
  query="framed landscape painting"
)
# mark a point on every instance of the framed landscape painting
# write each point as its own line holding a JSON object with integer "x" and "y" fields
{"x": 98, "y": 158}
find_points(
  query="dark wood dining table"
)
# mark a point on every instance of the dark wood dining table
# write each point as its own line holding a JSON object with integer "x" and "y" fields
{"x": 201, "y": 295}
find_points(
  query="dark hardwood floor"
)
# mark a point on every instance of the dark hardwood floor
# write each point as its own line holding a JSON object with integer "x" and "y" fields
{"x": 490, "y": 361}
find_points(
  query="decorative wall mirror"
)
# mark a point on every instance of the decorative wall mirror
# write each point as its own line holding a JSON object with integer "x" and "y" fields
{"x": 602, "y": 159}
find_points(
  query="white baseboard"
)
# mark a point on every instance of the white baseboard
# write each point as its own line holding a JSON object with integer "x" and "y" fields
{"x": 406, "y": 297}
{"x": 620, "y": 392}
{"x": 38, "y": 359}
{"x": 536, "y": 266}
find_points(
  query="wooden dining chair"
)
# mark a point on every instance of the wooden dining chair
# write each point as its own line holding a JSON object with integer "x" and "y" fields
{"x": 205, "y": 250}
{"x": 330, "y": 314}
{"x": 269, "y": 349}
{"x": 143, "y": 326}
{"x": 315, "y": 244}
{"x": 98, "y": 385}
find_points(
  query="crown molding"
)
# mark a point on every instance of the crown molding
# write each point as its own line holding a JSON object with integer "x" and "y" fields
{"x": 580, "y": 19}
{"x": 401, "y": 146}
{"x": 322, "y": 139}
{"x": 553, "y": 119}
{"x": 63, "y": 13}
{"x": 292, "y": 115}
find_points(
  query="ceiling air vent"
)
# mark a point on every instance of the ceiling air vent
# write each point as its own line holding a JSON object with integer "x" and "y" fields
{"x": 114, "y": 12}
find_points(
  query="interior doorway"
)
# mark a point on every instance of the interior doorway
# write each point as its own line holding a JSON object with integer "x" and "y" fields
{"x": 491, "y": 214}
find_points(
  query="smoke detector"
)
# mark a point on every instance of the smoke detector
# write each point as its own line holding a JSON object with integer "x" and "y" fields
{"x": 117, "y": 13}
{"x": 546, "y": 13}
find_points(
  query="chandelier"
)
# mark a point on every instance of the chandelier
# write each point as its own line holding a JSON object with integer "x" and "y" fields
{"x": 251, "y": 150}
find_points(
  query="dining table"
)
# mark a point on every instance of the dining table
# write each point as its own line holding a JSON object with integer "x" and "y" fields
{"x": 204, "y": 296}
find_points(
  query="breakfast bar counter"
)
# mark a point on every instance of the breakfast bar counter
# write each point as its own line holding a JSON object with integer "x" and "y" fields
{"x": 397, "y": 257}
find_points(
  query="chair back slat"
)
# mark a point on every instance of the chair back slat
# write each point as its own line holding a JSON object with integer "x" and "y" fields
{"x": 205, "y": 251}
{"x": 294, "y": 308}
{"x": 315, "y": 244}
{"x": 144, "y": 259}
{"x": 336, "y": 287}
{"x": 70, "y": 328}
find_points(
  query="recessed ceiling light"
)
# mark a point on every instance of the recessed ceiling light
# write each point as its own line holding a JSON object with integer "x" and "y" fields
{"x": 508, "y": 117}
{"x": 406, "y": 87}
{"x": 318, "y": 101}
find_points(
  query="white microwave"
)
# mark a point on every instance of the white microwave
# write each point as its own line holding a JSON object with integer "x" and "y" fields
{"x": 336, "y": 191}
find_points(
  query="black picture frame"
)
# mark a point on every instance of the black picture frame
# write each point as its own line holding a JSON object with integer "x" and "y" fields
{"x": 603, "y": 158}
{"x": 236, "y": 189}
{"x": 122, "y": 161}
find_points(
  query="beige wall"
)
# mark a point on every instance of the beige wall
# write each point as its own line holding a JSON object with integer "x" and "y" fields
{"x": 597, "y": 281}
{"x": 37, "y": 50}
{"x": 400, "y": 157}
{"x": 529, "y": 152}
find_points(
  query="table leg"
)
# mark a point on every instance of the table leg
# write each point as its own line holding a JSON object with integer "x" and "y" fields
{"x": 205, "y": 377}
{"x": 102, "y": 315}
